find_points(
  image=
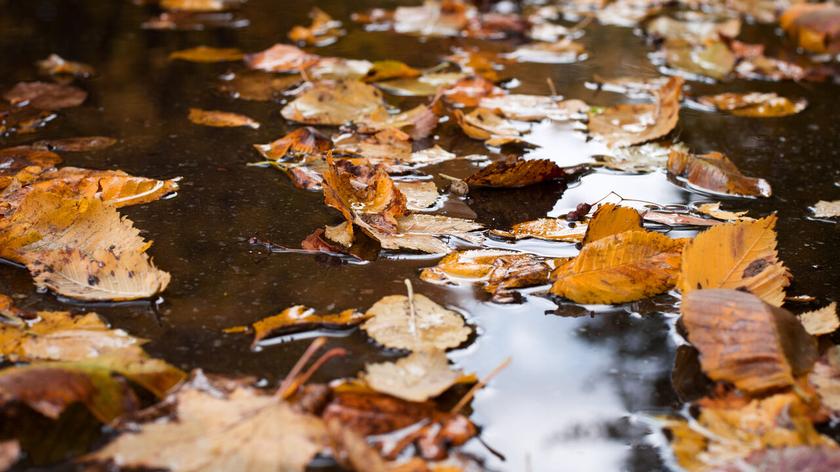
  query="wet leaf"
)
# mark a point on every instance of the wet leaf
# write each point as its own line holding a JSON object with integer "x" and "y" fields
{"x": 642, "y": 158}
{"x": 550, "y": 229}
{"x": 199, "y": 5}
{"x": 713, "y": 60}
{"x": 415, "y": 324}
{"x": 826, "y": 209}
{"x": 214, "y": 431}
{"x": 425, "y": 85}
{"x": 336, "y": 103}
{"x": 301, "y": 318}
{"x": 714, "y": 172}
{"x": 826, "y": 378}
{"x": 821, "y": 321}
{"x": 610, "y": 219}
{"x": 433, "y": 18}
{"x": 79, "y": 144}
{"x": 352, "y": 451}
{"x": 306, "y": 140}
{"x": 24, "y": 163}
{"x": 815, "y": 27}
{"x": 740, "y": 256}
{"x": 418, "y": 377}
{"x": 419, "y": 196}
{"x": 756, "y": 105}
{"x": 516, "y": 173}
{"x": 56, "y": 65}
{"x": 696, "y": 29}
{"x": 620, "y": 268}
{"x": 419, "y": 232}
{"x": 9, "y": 454}
{"x": 207, "y": 54}
{"x": 115, "y": 187}
{"x": 564, "y": 51}
{"x": 45, "y": 95}
{"x": 626, "y": 13}
{"x": 323, "y": 30}
{"x": 535, "y": 107}
{"x": 337, "y": 68}
{"x": 22, "y": 120}
{"x": 742, "y": 340}
{"x": 627, "y": 124}
{"x": 258, "y": 86}
{"x": 469, "y": 91}
{"x": 485, "y": 125}
{"x": 390, "y": 147}
{"x": 783, "y": 459}
{"x": 387, "y": 70}
{"x": 281, "y": 58}
{"x": 478, "y": 62}
{"x": 194, "y": 21}
{"x": 714, "y": 210}
{"x": 220, "y": 119}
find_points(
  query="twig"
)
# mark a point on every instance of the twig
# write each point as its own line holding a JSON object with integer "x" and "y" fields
{"x": 466, "y": 398}
{"x": 412, "y": 314}
{"x": 310, "y": 351}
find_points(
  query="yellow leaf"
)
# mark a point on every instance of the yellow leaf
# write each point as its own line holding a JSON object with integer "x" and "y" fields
{"x": 612, "y": 219}
{"x": 821, "y": 321}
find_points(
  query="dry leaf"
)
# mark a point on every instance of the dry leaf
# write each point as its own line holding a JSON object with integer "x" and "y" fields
{"x": 56, "y": 65}
{"x": 207, "y": 54}
{"x": 825, "y": 209}
{"x": 301, "y": 318}
{"x": 220, "y": 119}
{"x": 336, "y": 103}
{"x": 821, "y": 321}
{"x": 714, "y": 172}
{"x": 550, "y": 229}
{"x": 418, "y": 377}
{"x": 610, "y": 219}
{"x": 740, "y": 256}
{"x": 756, "y": 105}
{"x": 281, "y": 58}
{"x": 419, "y": 196}
{"x": 627, "y": 124}
{"x": 416, "y": 324}
{"x": 516, "y": 173}
{"x": 742, "y": 340}
{"x": 621, "y": 268}
{"x": 535, "y": 107}
{"x": 45, "y": 95}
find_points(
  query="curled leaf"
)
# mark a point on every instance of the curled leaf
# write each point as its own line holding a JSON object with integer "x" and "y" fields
{"x": 821, "y": 321}
{"x": 716, "y": 173}
{"x": 550, "y": 229}
{"x": 301, "y": 318}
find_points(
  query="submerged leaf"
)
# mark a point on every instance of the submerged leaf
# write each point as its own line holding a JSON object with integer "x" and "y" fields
{"x": 220, "y": 119}
{"x": 415, "y": 324}
{"x": 716, "y": 173}
{"x": 45, "y": 95}
{"x": 207, "y": 54}
{"x": 418, "y": 377}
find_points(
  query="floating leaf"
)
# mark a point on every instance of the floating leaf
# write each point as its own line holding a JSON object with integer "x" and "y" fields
{"x": 469, "y": 91}
{"x": 564, "y": 51}
{"x": 45, "y": 95}
{"x": 194, "y": 21}
{"x": 740, "y": 256}
{"x": 535, "y": 107}
{"x": 825, "y": 209}
{"x": 713, "y": 59}
{"x": 418, "y": 377}
{"x": 24, "y": 164}
{"x": 207, "y": 54}
{"x": 220, "y": 119}
{"x": 56, "y": 65}
{"x": 487, "y": 126}
{"x": 813, "y": 26}
{"x": 516, "y": 173}
{"x": 821, "y": 321}
{"x": 323, "y": 30}
{"x": 336, "y": 103}
{"x": 306, "y": 140}
{"x": 199, "y": 5}
{"x": 419, "y": 196}
{"x": 646, "y": 157}
{"x": 742, "y": 340}
{"x": 419, "y": 232}
{"x": 550, "y": 229}
{"x": 387, "y": 70}
{"x": 713, "y": 210}
{"x": 621, "y": 268}
{"x": 716, "y": 173}
{"x": 281, "y": 58}
{"x": 610, "y": 219}
{"x": 826, "y": 378}
{"x": 115, "y": 187}
{"x": 415, "y": 324}
{"x": 301, "y": 318}
{"x": 756, "y": 105}
{"x": 390, "y": 147}
{"x": 696, "y": 30}
{"x": 627, "y": 124}
{"x": 257, "y": 85}
{"x": 425, "y": 85}
{"x": 80, "y": 144}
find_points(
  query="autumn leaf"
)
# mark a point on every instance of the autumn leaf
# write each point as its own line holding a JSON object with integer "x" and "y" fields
{"x": 611, "y": 219}
{"x": 713, "y": 209}
{"x": 23, "y": 119}
{"x": 756, "y": 105}
{"x": 620, "y": 268}
{"x": 257, "y": 85}
{"x": 564, "y": 51}
{"x": 115, "y": 187}
{"x": 427, "y": 84}
{"x": 627, "y": 124}
{"x": 821, "y": 321}
{"x": 415, "y": 324}
{"x": 45, "y": 95}
{"x": 336, "y": 103}
{"x": 387, "y": 70}
{"x": 306, "y": 140}
{"x": 740, "y": 256}
{"x": 641, "y": 158}
{"x": 56, "y": 65}
{"x": 24, "y": 164}
{"x": 826, "y": 209}
{"x": 301, "y": 318}
{"x": 516, "y": 173}
{"x": 815, "y": 27}
{"x": 419, "y": 196}
{"x": 469, "y": 91}
{"x": 535, "y": 107}
{"x": 281, "y": 58}
{"x": 550, "y": 229}
{"x": 826, "y": 378}
{"x": 220, "y": 119}
{"x": 323, "y": 30}
{"x": 78, "y": 144}
{"x": 695, "y": 31}
{"x": 207, "y": 54}
{"x": 714, "y": 172}
{"x": 419, "y": 232}
{"x": 487, "y": 126}
{"x": 418, "y": 377}
{"x": 199, "y": 5}
{"x": 742, "y": 340}
{"x": 713, "y": 59}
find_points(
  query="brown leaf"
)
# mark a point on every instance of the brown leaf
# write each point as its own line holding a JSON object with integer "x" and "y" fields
{"x": 756, "y": 105}
{"x": 415, "y": 324}
{"x": 207, "y": 54}
{"x": 220, "y": 119}
{"x": 281, "y": 58}
{"x": 418, "y": 377}
{"x": 621, "y": 268}
{"x": 516, "y": 173}
{"x": 740, "y": 256}
{"x": 78, "y": 144}
{"x": 258, "y": 85}
{"x": 419, "y": 196}
{"x": 22, "y": 120}
{"x": 56, "y": 65}
{"x": 535, "y": 107}
{"x": 821, "y": 321}
{"x": 826, "y": 378}
{"x": 419, "y": 232}
{"x": 714, "y": 172}
{"x": 336, "y": 103}
{"x": 390, "y": 147}
{"x": 469, "y": 91}
{"x": 815, "y": 27}
{"x": 199, "y": 5}
{"x": 550, "y": 229}
{"x": 742, "y": 340}
{"x": 784, "y": 459}
{"x": 323, "y": 30}
{"x": 306, "y": 140}
{"x": 487, "y": 126}
{"x": 301, "y": 318}
{"x": 564, "y": 51}
{"x": 610, "y": 219}
{"x": 45, "y": 95}
{"x": 713, "y": 59}
{"x": 387, "y": 70}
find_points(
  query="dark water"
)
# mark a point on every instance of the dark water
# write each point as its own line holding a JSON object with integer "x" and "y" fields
{"x": 580, "y": 388}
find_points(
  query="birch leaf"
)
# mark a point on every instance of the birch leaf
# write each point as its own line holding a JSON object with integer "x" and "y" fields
{"x": 416, "y": 324}
{"x": 550, "y": 229}
{"x": 420, "y": 376}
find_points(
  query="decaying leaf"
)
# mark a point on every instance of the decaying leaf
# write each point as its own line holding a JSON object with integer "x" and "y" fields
{"x": 740, "y": 256}
{"x": 610, "y": 219}
{"x": 418, "y": 377}
{"x": 713, "y": 59}
{"x": 323, "y": 30}
{"x": 306, "y": 140}
{"x": 220, "y": 119}
{"x": 214, "y": 431}
{"x": 535, "y": 107}
{"x": 550, "y": 229}
{"x": 56, "y": 65}
{"x": 516, "y": 173}
{"x": 821, "y": 321}
{"x": 756, "y": 105}
{"x": 281, "y": 58}
{"x": 415, "y": 324}
{"x": 620, "y": 268}
{"x": 714, "y": 172}
{"x": 713, "y": 209}
{"x": 745, "y": 341}
{"x": 815, "y": 27}
{"x": 336, "y": 103}
{"x": 420, "y": 232}
{"x": 564, "y": 51}
{"x": 45, "y": 95}
{"x": 301, "y": 318}
{"x": 826, "y": 209}
{"x": 207, "y": 54}
{"x": 646, "y": 157}
{"x": 627, "y": 124}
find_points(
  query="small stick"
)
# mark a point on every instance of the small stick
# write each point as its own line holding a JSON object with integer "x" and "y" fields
{"x": 310, "y": 351}
{"x": 412, "y": 314}
{"x": 466, "y": 398}
{"x": 296, "y": 383}
{"x": 551, "y": 86}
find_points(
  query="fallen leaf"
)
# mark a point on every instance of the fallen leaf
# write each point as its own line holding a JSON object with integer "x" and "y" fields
{"x": 714, "y": 172}
{"x": 632, "y": 87}
{"x": 306, "y": 140}
{"x": 626, "y": 13}
{"x": 825, "y": 378}
{"x": 419, "y": 232}
{"x": 516, "y": 173}
{"x": 550, "y": 229}
{"x": 338, "y": 68}
{"x": 351, "y": 451}
{"x": 478, "y": 62}
{"x": 194, "y": 21}
{"x": 611, "y": 219}
{"x": 387, "y": 70}
{"x": 564, "y": 51}
{"x": 427, "y": 84}
{"x": 56, "y": 65}
{"x": 621, "y": 268}
{"x": 646, "y": 157}
{"x": 207, "y": 54}
{"x": 45, "y": 95}
{"x": 713, "y": 209}
{"x": 782, "y": 459}
{"x": 826, "y": 209}
{"x": 390, "y": 147}
{"x": 115, "y": 187}
{"x": 740, "y": 256}
{"x": 22, "y": 120}
{"x": 79, "y": 144}
{"x": 535, "y": 107}
{"x": 336, "y": 103}
{"x": 742, "y": 340}
{"x": 415, "y": 324}
{"x": 712, "y": 59}
{"x": 433, "y": 18}
{"x": 323, "y": 30}
{"x": 756, "y": 105}
{"x": 627, "y": 124}
{"x": 419, "y": 196}
{"x": 418, "y": 377}
{"x": 469, "y": 91}
{"x": 677, "y": 218}
{"x": 9, "y": 454}
{"x": 199, "y": 5}
{"x": 821, "y": 321}
{"x": 24, "y": 164}
{"x": 815, "y": 27}
{"x": 485, "y": 125}
{"x": 281, "y": 58}
{"x": 301, "y": 318}
{"x": 258, "y": 85}
{"x": 220, "y": 119}
{"x": 696, "y": 29}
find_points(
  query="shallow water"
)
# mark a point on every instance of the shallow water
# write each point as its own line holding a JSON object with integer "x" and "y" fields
{"x": 582, "y": 382}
